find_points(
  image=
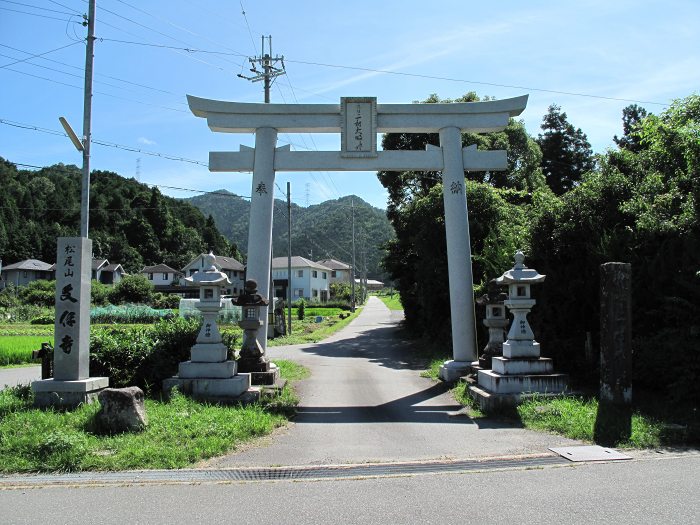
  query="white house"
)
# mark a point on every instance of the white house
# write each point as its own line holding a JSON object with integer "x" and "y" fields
{"x": 309, "y": 279}
{"x": 230, "y": 266}
{"x": 105, "y": 272}
{"x": 340, "y": 272}
{"x": 161, "y": 275}
{"x": 24, "y": 272}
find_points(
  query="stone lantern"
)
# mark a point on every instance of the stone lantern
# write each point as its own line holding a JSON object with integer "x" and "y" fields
{"x": 209, "y": 374}
{"x": 495, "y": 321}
{"x": 520, "y": 371}
{"x": 252, "y": 358}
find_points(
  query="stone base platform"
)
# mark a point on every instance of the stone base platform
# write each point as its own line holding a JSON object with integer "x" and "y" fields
{"x": 492, "y": 403}
{"x": 67, "y": 394}
{"x": 234, "y": 389}
{"x": 518, "y": 383}
{"x": 451, "y": 371}
{"x": 270, "y": 377}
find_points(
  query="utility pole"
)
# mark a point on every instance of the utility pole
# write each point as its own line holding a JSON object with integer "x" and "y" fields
{"x": 87, "y": 119}
{"x": 269, "y": 72}
{"x": 353, "y": 255}
{"x": 289, "y": 258}
{"x": 268, "y": 63}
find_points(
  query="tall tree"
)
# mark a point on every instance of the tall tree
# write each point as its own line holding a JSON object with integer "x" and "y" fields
{"x": 566, "y": 152}
{"x": 632, "y": 117}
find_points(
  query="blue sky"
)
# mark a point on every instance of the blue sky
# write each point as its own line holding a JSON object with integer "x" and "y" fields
{"x": 614, "y": 52}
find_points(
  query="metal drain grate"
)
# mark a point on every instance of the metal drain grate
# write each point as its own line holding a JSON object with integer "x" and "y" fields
{"x": 279, "y": 473}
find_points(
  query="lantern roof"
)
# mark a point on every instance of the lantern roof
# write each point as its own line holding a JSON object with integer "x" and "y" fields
{"x": 211, "y": 276}
{"x": 520, "y": 273}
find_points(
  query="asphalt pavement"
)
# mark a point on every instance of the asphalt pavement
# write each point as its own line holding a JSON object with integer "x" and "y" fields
{"x": 366, "y": 402}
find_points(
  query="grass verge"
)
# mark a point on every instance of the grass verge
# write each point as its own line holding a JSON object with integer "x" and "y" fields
{"x": 393, "y": 302}
{"x": 308, "y": 331}
{"x": 180, "y": 432}
{"x": 574, "y": 417}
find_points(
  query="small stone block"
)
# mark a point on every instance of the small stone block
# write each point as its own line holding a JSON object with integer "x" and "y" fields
{"x": 528, "y": 366}
{"x": 513, "y": 349}
{"x": 192, "y": 370}
{"x": 451, "y": 371}
{"x": 209, "y": 353}
{"x": 122, "y": 409}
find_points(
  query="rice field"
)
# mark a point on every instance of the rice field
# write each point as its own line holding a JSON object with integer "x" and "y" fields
{"x": 17, "y": 349}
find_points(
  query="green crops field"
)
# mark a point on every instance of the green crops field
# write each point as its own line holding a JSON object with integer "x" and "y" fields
{"x": 17, "y": 349}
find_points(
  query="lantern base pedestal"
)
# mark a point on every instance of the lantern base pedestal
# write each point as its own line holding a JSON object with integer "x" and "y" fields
{"x": 262, "y": 371}
{"x": 234, "y": 389}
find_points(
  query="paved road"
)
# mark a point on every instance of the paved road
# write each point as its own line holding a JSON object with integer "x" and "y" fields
{"x": 624, "y": 492}
{"x": 19, "y": 376}
{"x": 365, "y": 401}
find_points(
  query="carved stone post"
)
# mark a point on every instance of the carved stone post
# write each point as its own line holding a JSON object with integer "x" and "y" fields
{"x": 614, "y": 419}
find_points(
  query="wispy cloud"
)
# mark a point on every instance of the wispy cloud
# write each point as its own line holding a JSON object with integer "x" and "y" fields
{"x": 147, "y": 142}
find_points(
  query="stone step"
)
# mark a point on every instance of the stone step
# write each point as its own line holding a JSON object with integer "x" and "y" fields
{"x": 523, "y": 365}
{"x": 512, "y": 384}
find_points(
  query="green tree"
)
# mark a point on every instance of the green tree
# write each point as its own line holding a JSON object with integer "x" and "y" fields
{"x": 632, "y": 117}
{"x": 132, "y": 289}
{"x": 566, "y": 153}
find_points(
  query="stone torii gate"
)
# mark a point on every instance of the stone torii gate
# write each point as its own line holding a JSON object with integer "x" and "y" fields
{"x": 358, "y": 120}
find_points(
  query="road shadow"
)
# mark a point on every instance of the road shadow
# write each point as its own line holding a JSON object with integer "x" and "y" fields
{"x": 402, "y": 410}
{"x": 382, "y": 345}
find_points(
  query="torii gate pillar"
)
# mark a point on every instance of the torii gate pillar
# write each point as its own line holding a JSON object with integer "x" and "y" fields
{"x": 262, "y": 203}
{"x": 459, "y": 260}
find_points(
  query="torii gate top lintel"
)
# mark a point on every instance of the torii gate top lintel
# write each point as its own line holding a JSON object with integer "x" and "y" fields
{"x": 241, "y": 117}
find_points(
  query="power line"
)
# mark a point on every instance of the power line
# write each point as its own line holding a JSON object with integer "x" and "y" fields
{"x": 413, "y": 75}
{"x": 37, "y": 7}
{"x": 37, "y": 55}
{"x": 40, "y": 16}
{"x": 104, "y": 143}
{"x": 76, "y": 171}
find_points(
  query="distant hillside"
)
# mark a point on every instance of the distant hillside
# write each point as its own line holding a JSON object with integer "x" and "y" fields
{"x": 318, "y": 232}
{"x": 130, "y": 223}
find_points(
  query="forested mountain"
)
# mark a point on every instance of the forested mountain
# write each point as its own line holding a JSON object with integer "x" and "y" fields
{"x": 318, "y": 232}
{"x": 130, "y": 223}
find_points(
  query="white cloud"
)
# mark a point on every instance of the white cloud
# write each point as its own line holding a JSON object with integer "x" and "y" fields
{"x": 147, "y": 142}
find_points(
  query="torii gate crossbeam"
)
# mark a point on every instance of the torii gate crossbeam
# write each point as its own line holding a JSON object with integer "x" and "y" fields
{"x": 359, "y": 120}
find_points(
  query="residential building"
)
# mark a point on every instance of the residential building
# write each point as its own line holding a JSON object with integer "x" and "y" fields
{"x": 105, "y": 272}
{"x": 161, "y": 275}
{"x": 340, "y": 271}
{"x": 24, "y": 272}
{"x": 309, "y": 279}
{"x": 230, "y": 266}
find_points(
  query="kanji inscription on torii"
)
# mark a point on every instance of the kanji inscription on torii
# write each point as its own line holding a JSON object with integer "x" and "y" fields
{"x": 358, "y": 120}
{"x": 358, "y": 133}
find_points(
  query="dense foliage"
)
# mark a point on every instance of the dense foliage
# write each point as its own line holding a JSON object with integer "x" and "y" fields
{"x": 638, "y": 204}
{"x": 130, "y": 224}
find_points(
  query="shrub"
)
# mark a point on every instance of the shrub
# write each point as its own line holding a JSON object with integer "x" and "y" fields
{"x": 132, "y": 289}
{"x": 43, "y": 319}
{"x": 99, "y": 293}
{"x": 142, "y": 356}
{"x": 165, "y": 301}
{"x": 301, "y": 309}
{"x": 8, "y": 296}
{"x": 38, "y": 293}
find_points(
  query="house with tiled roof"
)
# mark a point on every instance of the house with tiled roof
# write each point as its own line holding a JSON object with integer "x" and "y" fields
{"x": 340, "y": 271}
{"x": 309, "y": 279}
{"x": 161, "y": 275}
{"x": 105, "y": 272}
{"x": 24, "y": 272}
